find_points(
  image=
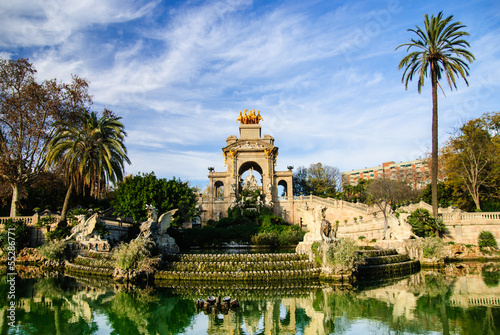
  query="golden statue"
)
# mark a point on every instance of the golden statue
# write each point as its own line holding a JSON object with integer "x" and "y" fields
{"x": 250, "y": 118}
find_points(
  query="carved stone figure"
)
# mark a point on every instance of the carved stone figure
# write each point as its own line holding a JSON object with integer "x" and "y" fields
{"x": 250, "y": 181}
{"x": 328, "y": 233}
{"x": 85, "y": 233}
{"x": 233, "y": 188}
{"x": 85, "y": 229}
{"x": 156, "y": 229}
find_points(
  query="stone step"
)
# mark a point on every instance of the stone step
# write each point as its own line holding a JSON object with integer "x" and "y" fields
{"x": 378, "y": 252}
{"x": 94, "y": 262}
{"x": 236, "y": 257}
{"x": 75, "y": 269}
{"x": 387, "y": 270}
{"x": 386, "y": 259}
{"x": 225, "y": 266}
{"x": 239, "y": 275}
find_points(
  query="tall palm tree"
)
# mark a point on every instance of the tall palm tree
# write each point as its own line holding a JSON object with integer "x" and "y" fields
{"x": 440, "y": 51}
{"x": 90, "y": 153}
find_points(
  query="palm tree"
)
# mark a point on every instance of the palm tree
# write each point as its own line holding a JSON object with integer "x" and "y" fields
{"x": 441, "y": 51}
{"x": 90, "y": 153}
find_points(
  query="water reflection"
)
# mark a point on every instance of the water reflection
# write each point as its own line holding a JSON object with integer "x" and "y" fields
{"x": 461, "y": 299}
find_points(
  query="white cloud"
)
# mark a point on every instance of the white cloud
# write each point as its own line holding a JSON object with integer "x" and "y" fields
{"x": 51, "y": 22}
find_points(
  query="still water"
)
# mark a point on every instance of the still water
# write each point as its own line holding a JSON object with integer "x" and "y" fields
{"x": 460, "y": 299}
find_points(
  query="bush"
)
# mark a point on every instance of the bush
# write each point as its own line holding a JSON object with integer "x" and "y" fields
{"x": 424, "y": 224}
{"x": 136, "y": 255}
{"x": 53, "y": 250}
{"x": 433, "y": 247}
{"x": 344, "y": 255}
{"x": 62, "y": 231}
{"x": 487, "y": 239}
{"x": 265, "y": 238}
{"x": 17, "y": 231}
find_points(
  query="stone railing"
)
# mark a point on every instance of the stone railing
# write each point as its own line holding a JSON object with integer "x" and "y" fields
{"x": 28, "y": 220}
{"x": 471, "y": 217}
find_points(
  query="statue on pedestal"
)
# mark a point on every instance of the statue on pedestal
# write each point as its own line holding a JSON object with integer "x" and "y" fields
{"x": 156, "y": 229}
{"x": 250, "y": 181}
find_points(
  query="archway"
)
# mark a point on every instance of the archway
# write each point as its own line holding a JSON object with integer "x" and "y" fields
{"x": 282, "y": 188}
{"x": 219, "y": 190}
{"x": 248, "y": 168}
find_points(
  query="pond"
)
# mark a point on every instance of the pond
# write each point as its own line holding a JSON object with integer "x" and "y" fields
{"x": 459, "y": 299}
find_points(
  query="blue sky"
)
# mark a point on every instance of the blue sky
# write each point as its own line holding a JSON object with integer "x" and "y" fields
{"x": 323, "y": 74}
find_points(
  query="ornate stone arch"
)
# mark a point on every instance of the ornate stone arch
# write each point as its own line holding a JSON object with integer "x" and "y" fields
{"x": 218, "y": 190}
{"x": 283, "y": 182}
{"x": 248, "y": 151}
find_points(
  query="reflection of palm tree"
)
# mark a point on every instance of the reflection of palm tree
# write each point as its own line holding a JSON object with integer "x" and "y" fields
{"x": 489, "y": 323}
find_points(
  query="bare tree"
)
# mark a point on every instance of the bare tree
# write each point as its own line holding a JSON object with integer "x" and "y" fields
{"x": 385, "y": 193}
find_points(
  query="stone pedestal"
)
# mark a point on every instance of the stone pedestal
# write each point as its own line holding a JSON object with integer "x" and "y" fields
{"x": 250, "y": 131}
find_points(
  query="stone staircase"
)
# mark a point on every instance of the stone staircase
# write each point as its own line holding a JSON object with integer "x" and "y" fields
{"x": 238, "y": 267}
{"x": 95, "y": 264}
{"x": 383, "y": 264}
{"x": 247, "y": 268}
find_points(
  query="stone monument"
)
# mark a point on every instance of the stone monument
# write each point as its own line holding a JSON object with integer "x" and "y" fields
{"x": 156, "y": 229}
{"x": 85, "y": 233}
{"x": 249, "y": 152}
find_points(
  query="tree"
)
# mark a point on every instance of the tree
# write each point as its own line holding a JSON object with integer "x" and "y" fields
{"x": 471, "y": 160}
{"x": 425, "y": 225}
{"x": 441, "y": 51}
{"x": 28, "y": 112}
{"x": 90, "y": 153}
{"x": 387, "y": 192}
{"x": 135, "y": 192}
{"x": 320, "y": 180}
{"x": 299, "y": 181}
{"x": 356, "y": 192}
{"x": 445, "y": 194}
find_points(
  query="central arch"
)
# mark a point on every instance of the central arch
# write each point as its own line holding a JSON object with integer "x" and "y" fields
{"x": 245, "y": 167}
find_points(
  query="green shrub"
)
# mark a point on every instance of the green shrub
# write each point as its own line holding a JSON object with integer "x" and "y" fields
{"x": 344, "y": 255}
{"x": 487, "y": 239}
{"x": 45, "y": 221}
{"x": 136, "y": 255}
{"x": 265, "y": 238}
{"x": 14, "y": 230}
{"x": 373, "y": 240}
{"x": 432, "y": 247}
{"x": 62, "y": 231}
{"x": 361, "y": 238}
{"x": 53, "y": 250}
{"x": 424, "y": 224}
{"x": 317, "y": 253}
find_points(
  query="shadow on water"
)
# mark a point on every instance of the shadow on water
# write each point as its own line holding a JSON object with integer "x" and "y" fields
{"x": 458, "y": 299}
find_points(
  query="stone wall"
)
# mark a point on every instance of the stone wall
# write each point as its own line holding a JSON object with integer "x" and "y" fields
{"x": 356, "y": 219}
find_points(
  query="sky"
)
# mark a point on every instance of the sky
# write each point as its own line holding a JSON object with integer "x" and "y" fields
{"x": 324, "y": 74}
